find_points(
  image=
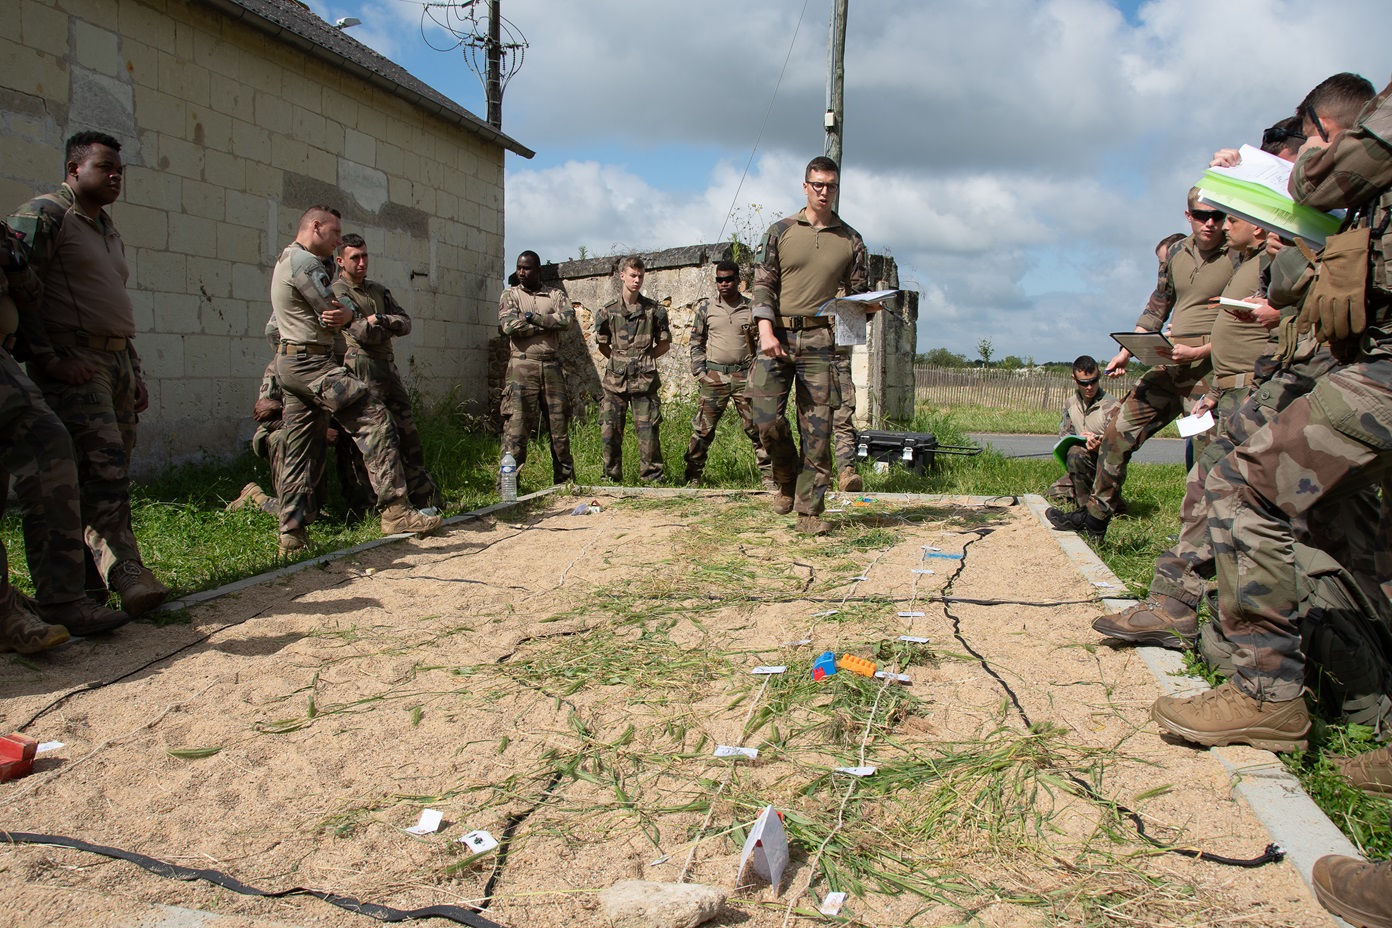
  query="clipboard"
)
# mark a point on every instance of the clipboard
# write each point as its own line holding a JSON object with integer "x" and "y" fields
{"x": 1143, "y": 345}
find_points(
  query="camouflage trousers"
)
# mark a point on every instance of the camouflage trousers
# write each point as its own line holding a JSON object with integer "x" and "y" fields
{"x": 717, "y": 390}
{"x": 647, "y": 417}
{"x": 808, "y": 373}
{"x": 1076, "y": 485}
{"x": 1329, "y": 444}
{"x": 384, "y": 380}
{"x": 100, "y": 417}
{"x": 535, "y": 391}
{"x": 843, "y": 418}
{"x": 353, "y": 480}
{"x": 1341, "y": 526}
{"x": 36, "y": 449}
{"x": 1156, "y": 401}
{"x": 316, "y": 389}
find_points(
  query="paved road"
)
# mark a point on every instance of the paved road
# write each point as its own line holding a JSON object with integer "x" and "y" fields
{"x": 1155, "y": 451}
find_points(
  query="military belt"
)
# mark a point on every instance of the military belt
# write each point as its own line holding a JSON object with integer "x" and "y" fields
{"x": 86, "y": 340}
{"x": 1233, "y": 381}
{"x": 798, "y": 323}
{"x": 727, "y": 368}
{"x": 292, "y": 348}
{"x": 523, "y": 356}
{"x": 1190, "y": 341}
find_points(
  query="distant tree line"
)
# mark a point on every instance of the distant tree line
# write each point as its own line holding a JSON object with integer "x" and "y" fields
{"x": 945, "y": 357}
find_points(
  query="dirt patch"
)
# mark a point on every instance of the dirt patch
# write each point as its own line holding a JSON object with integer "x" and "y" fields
{"x": 564, "y": 680}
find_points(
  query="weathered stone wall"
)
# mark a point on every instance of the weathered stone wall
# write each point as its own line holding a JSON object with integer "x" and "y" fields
{"x": 228, "y": 135}
{"x": 680, "y": 278}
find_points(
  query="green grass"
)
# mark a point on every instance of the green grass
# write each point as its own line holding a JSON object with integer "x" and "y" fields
{"x": 1019, "y": 421}
{"x": 193, "y": 544}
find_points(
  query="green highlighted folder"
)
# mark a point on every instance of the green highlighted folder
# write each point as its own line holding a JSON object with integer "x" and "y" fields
{"x": 1063, "y": 444}
{"x": 1260, "y": 204}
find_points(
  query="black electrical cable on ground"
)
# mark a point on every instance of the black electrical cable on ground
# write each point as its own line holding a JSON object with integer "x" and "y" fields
{"x": 458, "y": 914}
{"x": 1272, "y": 853}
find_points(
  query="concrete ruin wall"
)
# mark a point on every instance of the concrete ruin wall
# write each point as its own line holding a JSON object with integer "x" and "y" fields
{"x": 680, "y": 278}
{"x": 228, "y": 136}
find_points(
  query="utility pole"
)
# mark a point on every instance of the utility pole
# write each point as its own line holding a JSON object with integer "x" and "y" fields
{"x": 836, "y": 76}
{"x": 494, "y": 89}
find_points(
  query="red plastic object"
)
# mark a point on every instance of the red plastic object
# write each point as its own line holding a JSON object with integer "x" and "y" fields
{"x": 16, "y": 756}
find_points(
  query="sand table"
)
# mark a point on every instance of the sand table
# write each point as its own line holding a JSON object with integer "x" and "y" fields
{"x": 562, "y": 681}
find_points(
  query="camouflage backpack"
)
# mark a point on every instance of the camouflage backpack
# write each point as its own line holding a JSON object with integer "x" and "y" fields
{"x": 1345, "y": 637}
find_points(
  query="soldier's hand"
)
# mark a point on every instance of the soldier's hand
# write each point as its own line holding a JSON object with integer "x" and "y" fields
{"x": 1226, "y": 158}
{"x": 1116, "y": 367}
{"x": 266, "y": 410}
{"x": 336, "y": 316}
{"x": 769, "y": 345}
{"x": 331, "y": 437}
{"x": 71, "y": 370}
{"x": 142, "y": 395}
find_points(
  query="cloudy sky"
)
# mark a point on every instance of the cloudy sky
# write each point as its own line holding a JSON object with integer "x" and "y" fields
{"x": 1018, "y": 159}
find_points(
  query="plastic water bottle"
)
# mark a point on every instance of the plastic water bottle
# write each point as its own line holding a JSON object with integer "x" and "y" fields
{"x": 507, "y": 478}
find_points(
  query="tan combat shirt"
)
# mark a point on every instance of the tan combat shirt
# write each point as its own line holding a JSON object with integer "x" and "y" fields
{"x": 1182, "y": 294}
{"x": 300, "y": 293}
{"x": 1238, "y": 344}
{"x": 718, "y": 334}
{"x": 1092, "y": 417}
{"x": 800, "y": 267}
{"x": 552, "y": 314}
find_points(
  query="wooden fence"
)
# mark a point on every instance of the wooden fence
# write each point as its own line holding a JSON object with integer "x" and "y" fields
{"x": 980, "y": 386}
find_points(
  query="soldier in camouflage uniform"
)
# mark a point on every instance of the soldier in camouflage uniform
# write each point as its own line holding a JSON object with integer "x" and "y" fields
{"x": 1252, "y": 386}
{"x": 721, "y": 355}
{"x": 844, "y": 436}
{"x": 78, "y": 334}
{"x": 632, "y": 333}
{"x": 1195, "y": 271}
{"x": 533, "y": 316}
{"x": 316, "y": 388}
{"x": 1335, "y": 440}
{"x": 803, "y": 261}
{"x": 36, "y": 448}
{"x": 1087, "y": 414}
{"x": 377, "y": 319}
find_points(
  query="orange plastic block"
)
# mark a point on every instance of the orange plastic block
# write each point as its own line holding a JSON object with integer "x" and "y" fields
{"x": 16, "y": 756}
{"x": 855, "y": 664}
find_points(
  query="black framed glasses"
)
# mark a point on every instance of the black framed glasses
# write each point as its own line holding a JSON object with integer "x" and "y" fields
{"x": 819, "y": 186}
{"x": 1276, "y": 135}
{"x": 1311, "y": 115}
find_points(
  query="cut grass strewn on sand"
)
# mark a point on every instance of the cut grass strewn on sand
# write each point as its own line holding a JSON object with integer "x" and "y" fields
{"x": 193, "y": 544}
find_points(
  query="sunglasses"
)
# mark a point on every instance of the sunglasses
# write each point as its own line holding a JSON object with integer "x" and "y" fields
{"x": 726, "y": 280}
{"x": 1276, "y": 135}
{"x": 1205, "y": 215}
{"x": 1086, "y": 383}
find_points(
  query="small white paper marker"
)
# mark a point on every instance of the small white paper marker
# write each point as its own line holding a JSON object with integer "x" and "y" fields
{"x": 856, "y": 771}
{"x": 922, "y": 570}
{"x": 832, "y": 904}
{"x": 860, "y": 579}
{"x": 1101, "y": 583}
{"x": 766, "y": 849}
{"x": 821, "y": 615}
{"x": 892, "y": 677}
{"x": 770, "y": 669}
{"x": 1193, "y": 425}
{"x": 930, "y": 548}
{"x": 729, "y": 750}
{"x": 48, "y": 746}
{"x": 910, "y": 615}
{"x": 429, "y": 823}
{"x": 913, "y": 639}
{"x": 479, "y": 841}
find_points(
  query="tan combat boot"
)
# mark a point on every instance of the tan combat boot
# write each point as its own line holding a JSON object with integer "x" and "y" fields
{"x": 84, "y": 618}
{"x": 1371, "y": 772}
{"x": 1226, "y": 715}
{"x": 1160, "y": 620}
{"x": 290, "y": 542}
{"x": 23, "y": 631}
{"x": 1358, "y": 892}
{"x": 252, "y": 495}
{"x": 812, "y": 525}
{"x": 399, "y": 518}
{"x": 139, "y": 590}
{"x": 783, "y": 502}
{"x": 850, "y": 481}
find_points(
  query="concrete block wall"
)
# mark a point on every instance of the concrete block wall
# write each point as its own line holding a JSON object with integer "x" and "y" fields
{"x": 228, "y": 136}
